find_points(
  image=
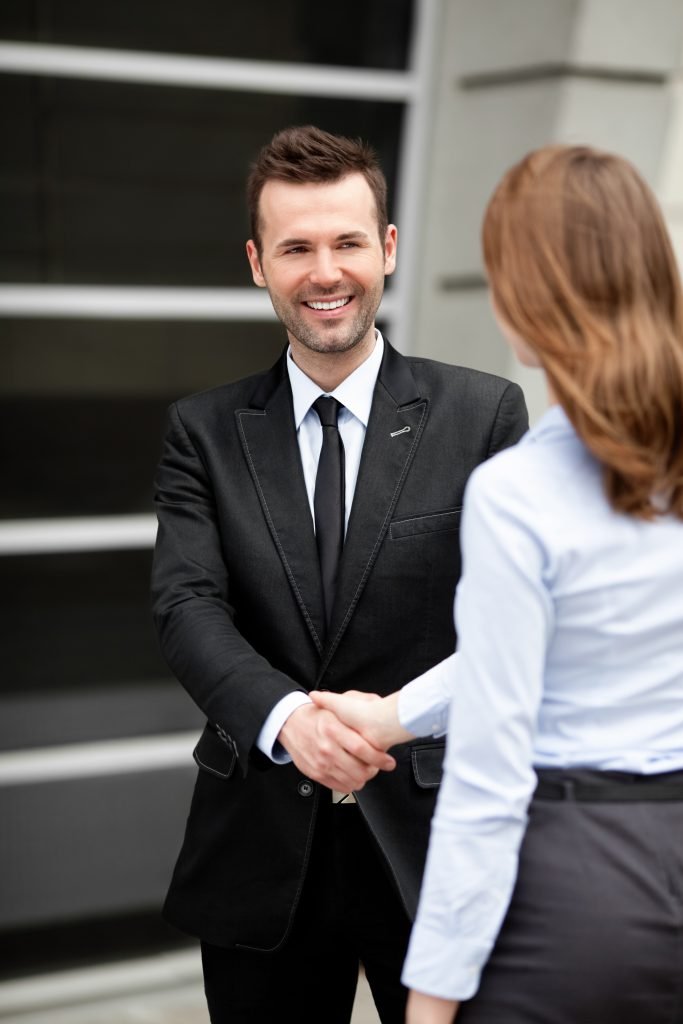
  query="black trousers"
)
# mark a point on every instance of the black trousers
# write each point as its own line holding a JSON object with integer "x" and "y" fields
{"x": 594, "y": 932}
{"x": 349, "y": 913}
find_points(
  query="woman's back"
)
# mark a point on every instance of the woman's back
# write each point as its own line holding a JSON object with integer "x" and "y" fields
{"x": 612, "y": 692}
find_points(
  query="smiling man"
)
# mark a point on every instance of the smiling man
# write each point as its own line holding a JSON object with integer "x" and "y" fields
{"x": 308, "y": 537}
{"x": 326, "y": 279}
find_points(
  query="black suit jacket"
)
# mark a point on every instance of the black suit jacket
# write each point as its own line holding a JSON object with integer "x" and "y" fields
{"x": 239, "y": 609}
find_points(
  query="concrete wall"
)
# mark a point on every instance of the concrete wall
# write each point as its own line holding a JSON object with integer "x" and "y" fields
{"x": 514, "y": 76}
{"x": 669, "y": 182}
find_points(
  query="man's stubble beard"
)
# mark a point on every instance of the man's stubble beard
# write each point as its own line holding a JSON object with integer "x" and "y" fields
{"x": 322, "y": 338}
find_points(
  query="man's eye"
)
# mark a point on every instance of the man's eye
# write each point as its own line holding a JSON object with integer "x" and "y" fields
{"x": 349, "y": 245}
{"x": 295, "y": 249}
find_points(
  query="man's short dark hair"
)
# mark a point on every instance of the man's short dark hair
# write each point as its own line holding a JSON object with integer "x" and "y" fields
{"x": 306, "y": 154}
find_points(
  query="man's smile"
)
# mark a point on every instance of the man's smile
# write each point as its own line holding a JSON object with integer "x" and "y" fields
{"x": 328, "y": 309}
{"x": 328, "y": 304}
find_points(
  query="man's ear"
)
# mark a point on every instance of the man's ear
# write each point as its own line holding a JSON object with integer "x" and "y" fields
{"x": 255, "y": 264}
{"x": 390, "y": 243}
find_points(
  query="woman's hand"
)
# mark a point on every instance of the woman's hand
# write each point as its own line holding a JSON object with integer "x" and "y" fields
{"x": 375, "y": 718}
{"x": 424, "y": 1009}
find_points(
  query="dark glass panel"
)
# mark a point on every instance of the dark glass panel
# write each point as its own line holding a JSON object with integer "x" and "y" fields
{"x": 78, "y": 456}
{"x": 114, "y": 183}
{"x": 76, "y": 620}
{"x": 373, "y": 33}
{"x": 82, "y": 404}
{"x": 48, "y": 718}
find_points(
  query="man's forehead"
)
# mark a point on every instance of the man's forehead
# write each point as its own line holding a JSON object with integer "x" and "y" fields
{"x": 284, "y": 202}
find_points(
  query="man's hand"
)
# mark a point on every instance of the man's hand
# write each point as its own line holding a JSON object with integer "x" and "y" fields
{"x": 424, "y": 1009}
{"x": 326, "y": 750}
{"x": 374, "y": 717}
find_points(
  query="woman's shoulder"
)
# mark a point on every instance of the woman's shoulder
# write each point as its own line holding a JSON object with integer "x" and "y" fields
{"x": 549, "y": 468}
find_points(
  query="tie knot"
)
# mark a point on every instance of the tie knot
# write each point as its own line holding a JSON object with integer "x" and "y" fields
{"x": 328, "y": 410}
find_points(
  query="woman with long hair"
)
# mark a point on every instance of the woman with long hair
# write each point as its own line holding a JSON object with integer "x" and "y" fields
{"x": 553, "y": 891}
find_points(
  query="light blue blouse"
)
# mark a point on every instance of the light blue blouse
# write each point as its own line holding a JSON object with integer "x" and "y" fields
{"x": 570, "y": 625}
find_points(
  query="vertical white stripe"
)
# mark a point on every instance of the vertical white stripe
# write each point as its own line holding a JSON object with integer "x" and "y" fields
{"x": 414, "y": 153}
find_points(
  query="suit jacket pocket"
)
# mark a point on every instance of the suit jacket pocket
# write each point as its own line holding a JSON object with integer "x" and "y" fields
{"x": 431, "y": 522}
{"x": 213, "y": 755}
{"x": 427, "y": 759}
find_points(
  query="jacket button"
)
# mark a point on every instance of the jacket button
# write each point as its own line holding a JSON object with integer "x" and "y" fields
{"x": 305, "y": 788}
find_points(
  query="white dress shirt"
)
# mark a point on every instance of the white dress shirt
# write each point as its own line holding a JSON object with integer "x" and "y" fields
{"x": 570, "y": 625}
{"x": 355, "y": 394}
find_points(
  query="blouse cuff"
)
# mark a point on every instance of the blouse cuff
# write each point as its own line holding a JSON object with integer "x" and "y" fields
{"x": 424, "y": 702}
{"x": 443, "y": 965}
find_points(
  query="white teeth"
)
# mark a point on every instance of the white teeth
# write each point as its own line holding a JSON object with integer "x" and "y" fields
{"x": 328, "y": 305}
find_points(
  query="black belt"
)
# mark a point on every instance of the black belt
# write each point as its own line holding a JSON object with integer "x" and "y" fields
{"x": 609, "y": 787}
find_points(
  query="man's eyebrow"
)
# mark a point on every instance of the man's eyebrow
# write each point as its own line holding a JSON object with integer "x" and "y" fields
{"x": 291, "y": 241}
{"x": 346, "y": 236}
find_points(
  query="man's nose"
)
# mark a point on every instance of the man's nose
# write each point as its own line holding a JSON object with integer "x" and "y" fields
{"x": 326, "y": 270}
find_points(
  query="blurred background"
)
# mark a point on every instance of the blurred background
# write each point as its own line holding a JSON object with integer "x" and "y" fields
{"x": 127, "y": 130}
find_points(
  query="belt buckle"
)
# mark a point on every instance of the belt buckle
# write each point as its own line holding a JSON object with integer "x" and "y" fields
{"x": 342, "y": 798}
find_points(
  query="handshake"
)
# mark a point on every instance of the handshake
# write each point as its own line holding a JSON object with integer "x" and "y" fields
{"x": 340, "y": 740}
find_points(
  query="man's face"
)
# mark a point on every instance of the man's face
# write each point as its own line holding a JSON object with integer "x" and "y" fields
{"x": 322, "y": 261}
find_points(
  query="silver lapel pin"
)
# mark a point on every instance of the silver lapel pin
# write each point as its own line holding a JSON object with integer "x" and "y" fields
{"x": 403, "y": 430}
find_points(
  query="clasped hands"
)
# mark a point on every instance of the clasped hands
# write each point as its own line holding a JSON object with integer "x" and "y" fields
{"x": 340, "y": 740}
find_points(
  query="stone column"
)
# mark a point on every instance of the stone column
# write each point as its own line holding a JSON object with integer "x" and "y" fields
{"x": 514, "y": 75}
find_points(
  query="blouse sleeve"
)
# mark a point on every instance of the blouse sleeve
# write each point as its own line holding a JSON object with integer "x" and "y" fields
{"x": 423, "y": 703}
{"x": 504, "y": 618}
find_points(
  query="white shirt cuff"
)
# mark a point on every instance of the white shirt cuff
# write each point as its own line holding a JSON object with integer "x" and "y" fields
{"x": 267, "y": 739}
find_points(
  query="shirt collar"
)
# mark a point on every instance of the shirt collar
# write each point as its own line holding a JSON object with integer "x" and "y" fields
{"x": 553, "y": 423}
{"x": 355, "y": 391}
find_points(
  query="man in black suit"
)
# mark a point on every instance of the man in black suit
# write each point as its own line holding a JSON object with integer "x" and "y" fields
{"x": 309, "y": 544}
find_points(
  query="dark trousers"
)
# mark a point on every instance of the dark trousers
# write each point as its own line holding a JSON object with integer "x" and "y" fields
{"x": 594, "y": 932}
{"x": 349, "y": 913}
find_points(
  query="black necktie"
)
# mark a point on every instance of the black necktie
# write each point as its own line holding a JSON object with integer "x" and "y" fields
{"x": 328, "y": 499}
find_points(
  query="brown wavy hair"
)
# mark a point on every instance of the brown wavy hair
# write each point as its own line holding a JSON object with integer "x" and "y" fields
{"x": 308, "y": 155}
{"x": 581, "y": 267}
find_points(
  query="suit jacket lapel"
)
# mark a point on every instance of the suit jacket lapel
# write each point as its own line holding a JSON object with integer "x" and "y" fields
{"x": 394, "y": 431}
{"x": 271, "y": 448}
